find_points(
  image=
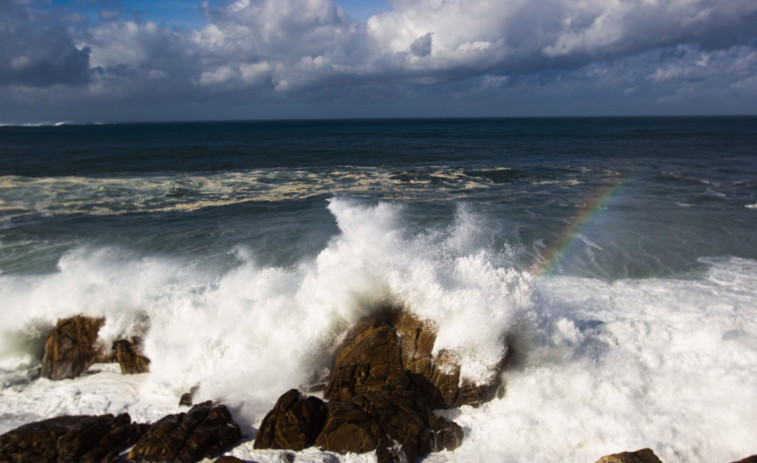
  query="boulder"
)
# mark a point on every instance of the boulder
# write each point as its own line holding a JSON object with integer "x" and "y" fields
{"x": 129, "y": 356}
{"x": 370, "y": 362}
{"x": 71, "y": 347}
{"x": 294, "y": 423}
{"x": 205, "y": 431}
{"x": 639, "y": 456}
{"x": 71, "y": 439}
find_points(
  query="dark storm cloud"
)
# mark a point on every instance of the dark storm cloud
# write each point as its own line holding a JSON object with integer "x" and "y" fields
{"x": 312, "y": 52}
{"x": 37, "y": 51}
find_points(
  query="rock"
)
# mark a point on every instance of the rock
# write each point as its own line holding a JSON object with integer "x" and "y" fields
{"x": 294, "y": 423}
{"x": 71, "y": 348}
{"x": 639, "y": 456}
{"x": 371, "y": 362}
{"x": 383, "y": 386}
{"x": 350, "y": 429}
{"x": 751, "y": 459}
{"x": 188, "y": 397}
{"x": 228, "y": 459}
{"x": 129, "y": 356}
{"x": 71, "y": 439}
{"x": 381, "y": 396}
{"x": 205, "y": 431}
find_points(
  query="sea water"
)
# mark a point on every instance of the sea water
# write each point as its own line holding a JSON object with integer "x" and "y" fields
{"x": 616, "y": 256}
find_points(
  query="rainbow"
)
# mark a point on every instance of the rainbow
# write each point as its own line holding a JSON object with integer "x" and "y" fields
{"x": 558, "y": 248}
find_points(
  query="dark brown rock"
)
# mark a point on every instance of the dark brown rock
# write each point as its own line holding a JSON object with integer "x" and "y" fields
{"x": 350, "y": 429}
{"x": 751, "y": 459}
{"x": 71, "y": 348}
{"x": 71, "y": 439}
{"x": 228, "y": 459}
{"x": 205, "y": 431}
{"x": 188, "y": 397}
{"x": 129, "y": 356}
{"x": 294, "y": 423}
{"x": 371, "y": 362}
{"x": 383, "y": 386}
{"x": 639, "y": 456}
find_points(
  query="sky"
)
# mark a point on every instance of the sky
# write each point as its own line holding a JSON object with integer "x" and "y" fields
{"x": 147, "y": 60}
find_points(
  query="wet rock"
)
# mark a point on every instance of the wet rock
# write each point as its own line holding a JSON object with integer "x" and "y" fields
{"x": 129, "y": 356}
{"x": 377, "y": 402}
{"x": 229, "y": 459}
{"x": 384, "y": 384}
{"x": 370, "y": 362}
{"x": 71, "y": 348}
{"x": 294, "y": 423}
{"x": 188, "y": 397}
{"x": 350, "y": 429}
{"x": 639, "y": 456}
{"x": 205, "y": 431}
{"x": 71, "y": 439}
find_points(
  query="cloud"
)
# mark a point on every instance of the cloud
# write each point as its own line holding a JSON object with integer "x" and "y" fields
{"x": 310, "y": 51}
{"x": 36, "y": 50}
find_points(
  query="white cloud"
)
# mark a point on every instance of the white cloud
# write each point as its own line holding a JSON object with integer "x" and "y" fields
{"x": 310, "y": 49}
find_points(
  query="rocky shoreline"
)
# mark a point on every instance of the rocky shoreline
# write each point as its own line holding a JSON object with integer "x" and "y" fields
{"x": 383, "y": 386}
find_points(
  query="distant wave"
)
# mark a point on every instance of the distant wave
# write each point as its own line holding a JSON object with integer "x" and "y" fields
{"x": 48, "y": 124}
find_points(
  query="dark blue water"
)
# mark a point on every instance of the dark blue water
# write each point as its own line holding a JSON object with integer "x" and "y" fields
{"x": 683, "y": 188}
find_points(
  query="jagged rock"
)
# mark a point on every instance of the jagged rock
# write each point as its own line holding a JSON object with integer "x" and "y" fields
{"x": 71, "y": 439}
{"x": 350, "y": 429}
{"x": 204, "y": 431}
{"x": 378, "y": 403}
{"x": 371, "y": 362}
{"x": 294, "y": 423}
{"x": 383, "y": 386}
{"x": 639, "y": 456}
{"x": 71, "y": 348}
{"x": 188, "y": 397}
{"x": 129, "y": 356}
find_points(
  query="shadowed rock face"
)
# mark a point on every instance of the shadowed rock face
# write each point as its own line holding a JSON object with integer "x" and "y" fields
{"x": 71, "y": 439}
{"x": 294, "y": 423}
{"x": 129, "y": 356}
{"x": 203, "y": 432}
{"x": 71, "y": 348}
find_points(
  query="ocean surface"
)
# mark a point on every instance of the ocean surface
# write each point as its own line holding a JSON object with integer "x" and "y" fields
{"x": 618, "y": 256}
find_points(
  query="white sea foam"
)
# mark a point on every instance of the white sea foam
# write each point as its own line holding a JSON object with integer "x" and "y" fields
{"x": 601, "y": 367}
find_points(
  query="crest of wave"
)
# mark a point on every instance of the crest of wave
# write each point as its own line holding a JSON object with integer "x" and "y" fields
{"x": 248, "y": 334}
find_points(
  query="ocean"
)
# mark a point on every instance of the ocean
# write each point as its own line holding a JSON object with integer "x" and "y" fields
{"x": 618, "y": 256}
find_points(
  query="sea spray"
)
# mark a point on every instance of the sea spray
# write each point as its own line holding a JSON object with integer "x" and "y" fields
{"x": 245, "y": 334}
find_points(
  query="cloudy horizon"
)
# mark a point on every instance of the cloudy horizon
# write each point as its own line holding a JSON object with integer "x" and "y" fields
{"x": 105, "y": 60}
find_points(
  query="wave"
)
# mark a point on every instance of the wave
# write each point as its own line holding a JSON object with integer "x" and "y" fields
{"x": 67, "y": 195}
{"x": 601, "y": 366}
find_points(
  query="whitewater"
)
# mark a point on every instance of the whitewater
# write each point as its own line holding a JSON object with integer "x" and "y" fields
{"x": 602, "y": 366}
{"x": 617, "y": 258}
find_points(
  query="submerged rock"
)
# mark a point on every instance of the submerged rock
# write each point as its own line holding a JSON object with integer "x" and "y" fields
{"x": 129, "y": 356}
{"x": 639, "y": 456}
{"x": 71, "y": 439}
{"x": 71, "y": 347}
{"x": 294, "y": 423}
{"x": 205, "y": 431}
